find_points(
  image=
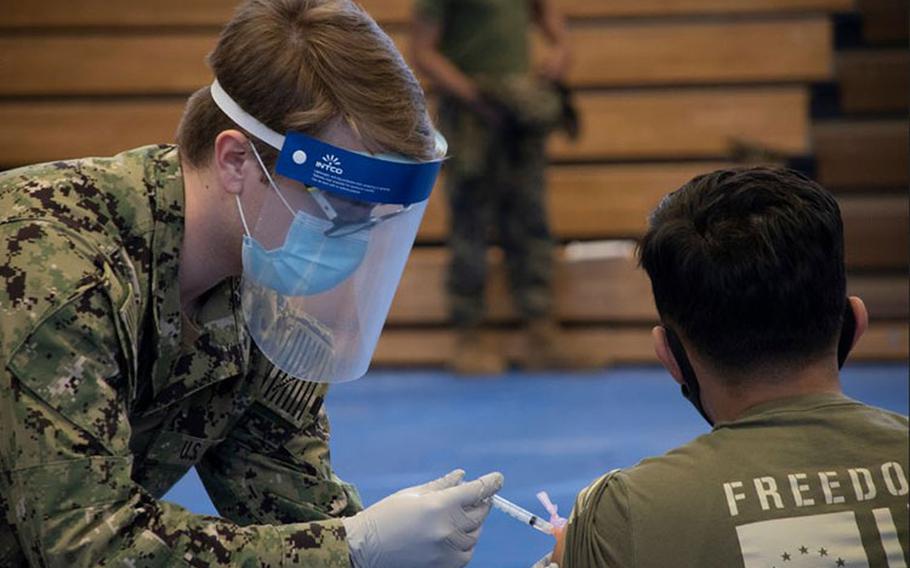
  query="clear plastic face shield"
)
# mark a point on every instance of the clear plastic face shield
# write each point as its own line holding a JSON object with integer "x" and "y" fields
{"x": 323, "y": 258}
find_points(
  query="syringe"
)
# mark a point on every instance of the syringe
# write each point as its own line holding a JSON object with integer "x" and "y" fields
{"x": 522, "y": 515}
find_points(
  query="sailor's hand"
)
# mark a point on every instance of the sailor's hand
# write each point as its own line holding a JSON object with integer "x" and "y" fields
{"x": 434, "y": 524}
{"x": 555, "y": 65}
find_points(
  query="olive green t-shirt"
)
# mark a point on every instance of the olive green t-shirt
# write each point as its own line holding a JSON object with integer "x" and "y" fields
{"x": 482, "y": 37}
{"x": 817, "y": 480}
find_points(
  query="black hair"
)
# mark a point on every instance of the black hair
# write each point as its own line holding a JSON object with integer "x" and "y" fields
{"x": 748, "y": 265}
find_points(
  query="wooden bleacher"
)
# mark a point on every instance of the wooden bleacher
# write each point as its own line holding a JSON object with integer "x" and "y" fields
{"x": 668, "y": 124}
{"x": 884, "y": 21}
{"x": 595, "y": 289}
{"x": 873, "y": 81}
{"x": 583, "y": 199}
{"x": 64, "y": 14}
{"x": 630, "y": 126}
{"x": 607, "y": 300}
{"x": 875, "y": 231}
{"x": 666, "y": 89}
{"x": 862, "y": 155}
{"x": 589, "y": 201}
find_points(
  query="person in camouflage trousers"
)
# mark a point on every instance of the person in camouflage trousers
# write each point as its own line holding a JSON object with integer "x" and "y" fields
{"x": 125, "y": 356}
{"x": 496, "y": 115}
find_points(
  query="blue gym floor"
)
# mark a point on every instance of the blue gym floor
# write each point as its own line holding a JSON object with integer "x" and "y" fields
{"x": 543, "y": 431}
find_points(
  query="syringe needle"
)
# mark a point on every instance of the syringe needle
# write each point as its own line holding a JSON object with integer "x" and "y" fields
{"x": 522, "y": 515}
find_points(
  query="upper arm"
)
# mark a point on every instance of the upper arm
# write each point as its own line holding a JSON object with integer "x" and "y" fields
{"x": 275, "y": 464}
{"x": 599, "y": 532}
{"x": 42, "y": 268}
{"x": 60, "y": 336}
{"x": 64, "y": 432}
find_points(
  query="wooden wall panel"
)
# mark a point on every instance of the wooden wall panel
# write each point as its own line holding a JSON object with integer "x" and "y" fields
{"x": 609, "y": 54}
{"x": 398, "y": 11}
{"x": 885, "y": 22}
{"x": 863, "y": 153}
{"x": 874, "y": 81}
{"x": 609, "y": 288}
{"x": 598, "y": 282}
{"x": 609, "y": 202}
{"x": 687, "y": 52}
{"x": 612, "y": 201}
{"x": 104, "y": 64}
{"x": 434, "y": 347}
{"x": 107, "y": 14}
{"x": 876, "y": 230}
{"x": 590, "y": 201}
{"x": 400, "y": 347}
{"x": 663, "y": 8}
{"x": 687, "y": 123}
{"x": 699, "y": 123}
{"x": 622, "y": 55}
{"x": 886, "y": 341}
{"x": 886, "y": 297}
{"x": 41, "y": 131}
{"x": 104, "y": 13}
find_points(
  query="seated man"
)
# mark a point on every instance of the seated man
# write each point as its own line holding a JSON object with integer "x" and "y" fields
{"x": 747, "y": 270}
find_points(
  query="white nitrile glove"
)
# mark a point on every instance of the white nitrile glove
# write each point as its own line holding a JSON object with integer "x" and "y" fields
{"x": 435, "y": 524}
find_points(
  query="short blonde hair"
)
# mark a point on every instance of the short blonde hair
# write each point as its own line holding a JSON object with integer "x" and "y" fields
{"x": 298, "y": 65}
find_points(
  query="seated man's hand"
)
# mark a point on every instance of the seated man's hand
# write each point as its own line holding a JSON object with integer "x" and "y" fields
{"x": 435, "y": 524}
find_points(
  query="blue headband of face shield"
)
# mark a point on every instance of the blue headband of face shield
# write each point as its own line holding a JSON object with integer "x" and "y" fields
{"x": 352, "y": 175}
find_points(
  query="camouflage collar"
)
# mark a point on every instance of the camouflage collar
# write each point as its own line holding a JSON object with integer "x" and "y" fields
{"x": 219, "y": 344}
{"x": 164, "y": 181}
{"x": 216, "y": 352}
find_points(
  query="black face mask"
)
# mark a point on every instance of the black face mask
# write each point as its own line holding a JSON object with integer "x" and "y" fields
{"x": 690, "y": 388}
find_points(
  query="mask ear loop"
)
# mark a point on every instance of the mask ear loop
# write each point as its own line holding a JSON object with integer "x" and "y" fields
{"x": 246, "y": 227}
{"x": 317, "y": 196}
{"x": 271, "y": 181}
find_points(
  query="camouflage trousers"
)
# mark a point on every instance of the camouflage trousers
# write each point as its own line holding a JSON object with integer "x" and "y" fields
{"x": 496, "y": 192}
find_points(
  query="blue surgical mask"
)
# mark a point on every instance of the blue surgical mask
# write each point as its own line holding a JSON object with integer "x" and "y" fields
{"x": 309, "y": 262}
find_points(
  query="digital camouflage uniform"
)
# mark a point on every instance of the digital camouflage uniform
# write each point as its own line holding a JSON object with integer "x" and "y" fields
{"x": 107, "y": 397}
{"x": 494, "y": 178}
